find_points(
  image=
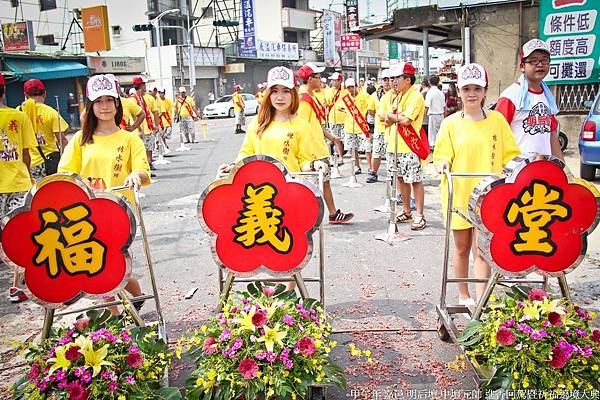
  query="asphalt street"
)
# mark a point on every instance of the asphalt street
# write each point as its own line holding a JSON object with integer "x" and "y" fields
{"x": 381, "y": 297}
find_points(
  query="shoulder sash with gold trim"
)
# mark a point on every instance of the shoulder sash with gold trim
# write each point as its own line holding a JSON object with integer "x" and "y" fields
{"x": 355, "y": 112}
{"x": 316, "y": 105}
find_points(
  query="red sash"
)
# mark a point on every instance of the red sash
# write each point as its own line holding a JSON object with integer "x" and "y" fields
{"x": 355, "y": 112}
{"x": 316, "y": 105}
{"x": 181, "y": 102}
{"x": 142, "y": 103}
{"x": 124, "y": 125}
{"x": 168, "y": 118}
{"x": 417, "y": 143}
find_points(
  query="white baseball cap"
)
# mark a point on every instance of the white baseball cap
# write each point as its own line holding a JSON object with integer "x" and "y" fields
{"x": 181, "y": 89}
{"x": 349, "y": 82}
{"x": 533, "y": 45}
{"x": 132, "y": 91}
{"x": 280, "y": 76}
{"x": 385, "y": 73}
{"x": 336, "y": 76}
{"x": 324, "y": 80}
{"x": 260, "y": 85}
{"x": 102, "y": 85}
{"x": 472, "y": 74}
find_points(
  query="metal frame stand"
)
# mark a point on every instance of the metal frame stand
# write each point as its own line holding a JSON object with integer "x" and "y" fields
{"x": 161, "y": 149}
{"x": 226, "y": 282}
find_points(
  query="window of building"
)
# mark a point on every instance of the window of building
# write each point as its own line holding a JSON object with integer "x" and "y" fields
{"x": 290, "y": 36}
{"x": 46, "y": 40}
{"x": 116, "y": 30}
{"x": 288, "y": 3}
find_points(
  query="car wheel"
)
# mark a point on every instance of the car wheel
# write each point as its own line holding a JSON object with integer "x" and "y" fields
{"x": 563, "y": 140}
{"x": 231, "y": 113}
{"x": 587, "y": 172}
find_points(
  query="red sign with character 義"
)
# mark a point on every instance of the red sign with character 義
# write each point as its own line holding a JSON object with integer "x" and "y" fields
{"x": 261, "y": 218}
{"x": 534, "y": 220}
{"x": 69, "y": 241}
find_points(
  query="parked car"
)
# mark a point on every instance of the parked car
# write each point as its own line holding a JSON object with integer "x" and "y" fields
{"x": 223, "y": 107}
{"x": 589, "y": 141}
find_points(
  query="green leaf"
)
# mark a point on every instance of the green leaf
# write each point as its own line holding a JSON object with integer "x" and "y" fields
{"x": 170, "y": 393}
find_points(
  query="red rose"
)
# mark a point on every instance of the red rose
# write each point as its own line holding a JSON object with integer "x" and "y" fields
{"x": 259, "y": 319}
{"x": 210, "y": 345}
{"x": 505, "y": 337}
{"x": 248, "y": 368}
{"x": 72, "y": 353}
{"x": 306, "y": 346}
{"x": 596, "y": 336}
{"x": 134, "y": 360}
{"x": 555, "y": 319}
{"x": 77, "y": 391}
{"x": 559, "y": 357}
{"x": 537, "y": 295}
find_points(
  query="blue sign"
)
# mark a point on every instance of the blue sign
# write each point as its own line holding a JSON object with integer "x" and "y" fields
{"x": 248, "y": 45}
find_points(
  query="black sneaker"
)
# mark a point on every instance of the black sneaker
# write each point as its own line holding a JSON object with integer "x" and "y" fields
{"x": 340, "y": 217}
{"x": 372, "y": 178}
{"x": 357, "y": 171}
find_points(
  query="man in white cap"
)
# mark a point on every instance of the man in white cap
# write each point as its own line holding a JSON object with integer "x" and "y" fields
{"x": 355, "y": 139}
{"x": 261, "y": 93}
{"x": 313, "y": 112}
{"x": 336, "y": 111}
{"x": 150, "y": 125}
{"x": 185, "y": 114}
{"x": 529, "y": 106}
{"x": 238, "y": 108}
{"x": 374, "y": 107}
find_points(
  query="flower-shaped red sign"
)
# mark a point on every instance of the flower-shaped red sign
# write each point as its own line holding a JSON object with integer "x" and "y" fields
{"x": 261, "y": 217}
{"x": 69, "y": 240}
{"x": 535, "y": 219}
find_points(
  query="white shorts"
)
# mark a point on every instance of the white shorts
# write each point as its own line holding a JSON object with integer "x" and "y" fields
{"x": 240, "y": 119}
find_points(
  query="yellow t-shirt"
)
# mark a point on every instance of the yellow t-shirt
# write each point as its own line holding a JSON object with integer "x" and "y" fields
{"x": 17, "y": 134}
{"x": 238, "y": 102}
{"x": 260, "y": 95}
{"x": 469, "y": 146}
{"x": 150, "y": 111}
{"x": 337, "y": 110}
{"x": 167, "y": 110}
{"x": 375, "y": 106}
{"x": 182, "y": 108}
{"x": 107, "y": 161}
{"x": 362, "y": 101}
{"x": 47, "y": 122}
{"x": 285, "y": 141}
{"x": 319, "y": 148}
{"x": 320, "y": 95}
{"x": 412, "y": 105}
{"x": 131, "y": 110}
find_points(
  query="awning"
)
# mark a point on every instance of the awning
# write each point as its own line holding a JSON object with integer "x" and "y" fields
{"x": 27, "y": 68}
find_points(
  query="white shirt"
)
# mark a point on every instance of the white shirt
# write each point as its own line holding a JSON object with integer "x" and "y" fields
{"x": 435, "y": 101}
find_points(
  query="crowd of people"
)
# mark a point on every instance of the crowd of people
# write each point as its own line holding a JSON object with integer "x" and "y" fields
{"x": 306, "y": 124}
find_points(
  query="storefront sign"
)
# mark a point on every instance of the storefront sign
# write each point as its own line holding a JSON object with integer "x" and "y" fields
{"x": 248, "y": 47}
{"x": 95, "y": 28}
{"x": 350, "y": 41}
{"x": 69, "y": 241}
{"x": 535, "y": 220}
{"x": 255, "y": 221}
{"x": 237, "y": 68}
{"x": 118, "y": 65}
{"x": 571, "y": 30}
{"x": 18, "y": 36}
{"x": 277, "y": 50}
{"x": 352, "y": 20}
{"x": 332, "y": 32}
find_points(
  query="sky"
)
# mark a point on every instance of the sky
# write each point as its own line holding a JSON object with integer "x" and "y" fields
{"x": 377, "y": 8}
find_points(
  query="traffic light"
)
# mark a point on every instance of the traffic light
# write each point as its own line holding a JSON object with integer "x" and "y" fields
{"x": 142, "y": 27}
{"x": 226, "y": 22}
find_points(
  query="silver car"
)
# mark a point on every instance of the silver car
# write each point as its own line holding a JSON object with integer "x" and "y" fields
{"x": 223, "y": 107}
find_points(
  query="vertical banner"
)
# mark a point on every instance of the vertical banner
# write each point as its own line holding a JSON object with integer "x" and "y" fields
{"x": 393, "y": 50}
{"x": 248, "y": 48}
{"x": 18, "y": 36}
{"x": 352, "y": 20}
{"x": 332, "y": 42}
{"x": 95, "y": 28}
{"x": 571, "y": 30}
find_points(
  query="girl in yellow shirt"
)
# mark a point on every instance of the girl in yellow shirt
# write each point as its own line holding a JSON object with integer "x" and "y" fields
{"x": 103, "y": 152}
{"x": 471, "y": 141}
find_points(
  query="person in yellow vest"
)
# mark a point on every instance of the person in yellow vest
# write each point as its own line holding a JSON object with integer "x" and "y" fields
{"x": 104, "y": 153}
{"x": 406, "y": 109}
{"x": 378, "y": 150}
{"x": 474, "y": 140}
{"x": 49, "y": 127}
{"x": 312, "y": 111}
{"x": 261, "y": 93}
{"x": 185, "y": 113}
{"x": 150, "y": 126}
{"x": 336, "y": 111}
{"x": 133, "y": 115}
{"x": 354, "y": 137}
{"x": 17, "y": 142}
{"x": 238, "y": 108}
{"x": 166, "y": 118}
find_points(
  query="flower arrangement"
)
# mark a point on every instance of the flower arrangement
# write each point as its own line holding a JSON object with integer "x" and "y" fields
{"x": 529, "y": 341}
{"x": 97, "y": 358}
{"x": 266, "y": 343}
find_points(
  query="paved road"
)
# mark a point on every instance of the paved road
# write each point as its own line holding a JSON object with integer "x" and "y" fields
{"x": 382, "y": 297}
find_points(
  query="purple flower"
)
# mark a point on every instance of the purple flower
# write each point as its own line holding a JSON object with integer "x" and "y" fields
{"x": 580, "y": 332}
{"x": 225, "y": 335}
{"x": 129, "y": 379}
{"x": 547, "y": 324}
{"x": 133, "y": 349}
{"x": 60, "y": 375}
{"x": 582, "y": 313}
{"x": 113, "y": 386}
{"x": 79, "y": 371}
{"x": 237, "y": 344}
{"x": 107, "y": 375}
{"x": 289, "y": 364}
{"x": 42, "y": 386}
{"x": 261, "y": 355}
{"x": 587, "y": 351}
{"x": 125, "y": 336}
{"x": 523, "y": 327}
{"x": 508, "y": 324}
{"x": 288, "y": 320}
{"x": 86, "y": 377}
{"x": 539, "y": 335}
{"x": 64, "y": 341}
{"x": 271, "y": 357}
{"x": 247, "y": 308}
{"x": 234, "y": 310}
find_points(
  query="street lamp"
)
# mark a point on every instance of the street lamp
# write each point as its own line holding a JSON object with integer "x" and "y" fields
{"x": 156, "y": 23}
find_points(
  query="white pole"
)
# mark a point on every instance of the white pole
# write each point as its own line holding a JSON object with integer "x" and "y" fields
{"x": 467, "y": 49}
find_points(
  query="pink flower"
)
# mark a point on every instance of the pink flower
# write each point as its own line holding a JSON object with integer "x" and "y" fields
{"x": 306, "y": 347}
{"x": 268, "y": 291}
{"x": 72, "y": 353}
{"x": 537, "y": 295}
{"x": 596, "y": 336}
{"x": 134, "y": 360}
{"x": 505, "y": 337}
{"x": 555, "y": 319}
{"x": 77, "y": 391}
{"x": 248, "y": 368}
{"x": 34, "y": 372}
{"x": 560, "y": 357}
{"x": 259, "y": 319}
{"x": 210, "y": 345}
{"x": 82, "y": 324}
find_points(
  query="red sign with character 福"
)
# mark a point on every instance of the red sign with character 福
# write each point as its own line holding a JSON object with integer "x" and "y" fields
{"x": 261, "y": 218}
{"x": 69, "y": 241}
